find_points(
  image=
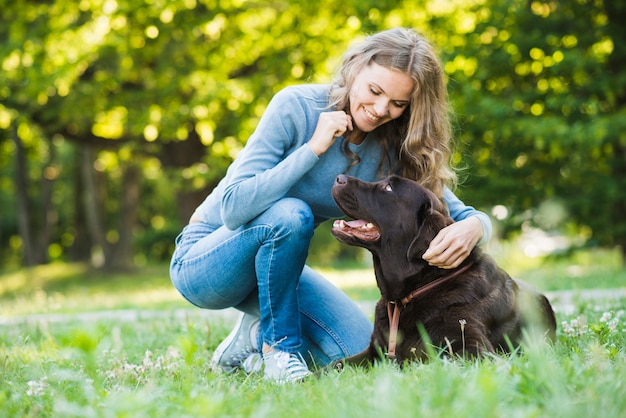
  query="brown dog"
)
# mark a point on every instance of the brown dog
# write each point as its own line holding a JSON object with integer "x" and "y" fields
{"x": 469, "y": 311}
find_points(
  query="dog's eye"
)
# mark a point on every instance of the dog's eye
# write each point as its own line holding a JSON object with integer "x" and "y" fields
{"x": 388, "y": 188}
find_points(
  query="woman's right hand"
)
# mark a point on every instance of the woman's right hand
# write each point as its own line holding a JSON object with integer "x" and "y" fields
{"x": 330, "y": 126}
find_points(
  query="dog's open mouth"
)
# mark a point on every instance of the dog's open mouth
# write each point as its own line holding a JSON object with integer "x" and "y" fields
{"x": 359, "y": 229}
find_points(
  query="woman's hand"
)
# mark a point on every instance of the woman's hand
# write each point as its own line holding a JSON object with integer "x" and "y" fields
{"x": 454, "y": 243}
{"x": 330, "y": 126}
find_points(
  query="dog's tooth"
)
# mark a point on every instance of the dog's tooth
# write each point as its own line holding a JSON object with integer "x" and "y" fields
{"x": 368, "y": 225}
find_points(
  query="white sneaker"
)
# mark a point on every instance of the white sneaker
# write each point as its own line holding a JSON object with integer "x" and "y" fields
{"x": 282, "y": 367}
{"x": 253, "y": 363}
{"x": 238, "y": 349}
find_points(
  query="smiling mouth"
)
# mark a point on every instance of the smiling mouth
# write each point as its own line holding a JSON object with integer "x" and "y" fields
{"x": 359, "y": 229}
{"x": 370, "y": 116}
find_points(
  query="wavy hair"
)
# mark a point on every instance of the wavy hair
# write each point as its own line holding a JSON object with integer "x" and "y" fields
{"x": 421, "y": 138}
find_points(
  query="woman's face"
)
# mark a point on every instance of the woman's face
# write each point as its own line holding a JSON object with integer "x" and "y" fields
{"x": 378, "y": 95}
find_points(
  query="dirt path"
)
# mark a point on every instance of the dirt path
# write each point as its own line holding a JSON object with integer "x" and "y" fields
{"x": 563, "y": 301}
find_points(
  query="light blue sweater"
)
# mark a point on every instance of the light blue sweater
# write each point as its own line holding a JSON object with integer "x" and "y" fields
{"x": 276, "y": 163}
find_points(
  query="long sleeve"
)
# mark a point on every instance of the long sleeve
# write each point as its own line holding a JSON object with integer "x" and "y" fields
{"x": 273, "y": 161}
{"x": 460, "y": 211}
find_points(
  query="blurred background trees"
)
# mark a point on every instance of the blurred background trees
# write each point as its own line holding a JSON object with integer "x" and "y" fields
{"x": 117, "y": 117}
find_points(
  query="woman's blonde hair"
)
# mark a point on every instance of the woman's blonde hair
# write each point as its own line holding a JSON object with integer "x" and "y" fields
{"x": 421, "y": 138}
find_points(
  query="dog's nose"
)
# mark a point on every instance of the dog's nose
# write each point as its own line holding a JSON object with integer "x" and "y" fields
{"x": 341, "y": 179}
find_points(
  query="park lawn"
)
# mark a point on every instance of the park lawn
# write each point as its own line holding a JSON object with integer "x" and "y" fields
{"x": 159, "y": 368}
{"x": 158, "y": 365}
{"x": 75, "y": 288}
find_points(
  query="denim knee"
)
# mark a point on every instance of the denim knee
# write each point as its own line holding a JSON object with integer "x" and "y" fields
{"x": 291, "y": 215}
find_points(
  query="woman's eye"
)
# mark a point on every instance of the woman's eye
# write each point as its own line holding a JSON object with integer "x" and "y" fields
{"x": 388, "y": 188}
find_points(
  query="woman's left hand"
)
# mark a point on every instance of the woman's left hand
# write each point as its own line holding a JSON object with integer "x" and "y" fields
{"x": 454, "y": 243}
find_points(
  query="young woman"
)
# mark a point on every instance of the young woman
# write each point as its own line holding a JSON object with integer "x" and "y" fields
{"x": 246, "y": 245}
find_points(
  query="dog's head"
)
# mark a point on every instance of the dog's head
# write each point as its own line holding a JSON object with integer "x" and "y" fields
{"x": 394, "y": 218}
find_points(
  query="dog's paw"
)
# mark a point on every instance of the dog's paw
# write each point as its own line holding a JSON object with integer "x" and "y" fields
{"x": 337, "y": 366}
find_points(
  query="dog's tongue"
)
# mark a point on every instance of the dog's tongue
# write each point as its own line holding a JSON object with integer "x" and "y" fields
{"x": 360, "y": 229}
{"x": 357, "y": 223}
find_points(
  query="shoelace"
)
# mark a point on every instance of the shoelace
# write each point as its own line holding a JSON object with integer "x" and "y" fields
{"x": 252, "y": 363}
{"x": 294, "y": 366}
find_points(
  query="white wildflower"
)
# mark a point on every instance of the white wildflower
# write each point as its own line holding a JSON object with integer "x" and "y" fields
{"x": 120, "y": 369}
{"x": 37, "y": 387}
{"x": 612, "y": 322}
{"x": 463, "y": 322}
{"x": 575, "y": 328}
{"x": 173, "y": 353}
{"x": 148, "y": 364}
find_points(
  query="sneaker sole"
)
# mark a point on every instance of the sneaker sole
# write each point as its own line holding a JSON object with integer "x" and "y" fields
{"x": 219, "y": 351}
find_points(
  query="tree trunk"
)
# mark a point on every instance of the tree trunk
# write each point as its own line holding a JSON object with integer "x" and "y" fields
{"x": 188, "y": 201}
{"x": 80, "y": 249}
{"x": 616, "y": 13}
{"x": 95, "y": 225}
{"x": 23, "y": 207}
{"x": 123, "y": 251}
{"x": 619, "y": 204}
{"x": 48, "y": 213}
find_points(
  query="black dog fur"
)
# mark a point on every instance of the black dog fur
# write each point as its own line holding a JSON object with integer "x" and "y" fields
{"x": 480, "y": 310}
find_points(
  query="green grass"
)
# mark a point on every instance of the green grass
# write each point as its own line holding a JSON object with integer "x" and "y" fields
{"x": 158, "y": 366}
{"x": 71, "y": 288}
{"x": 588, "y": 269}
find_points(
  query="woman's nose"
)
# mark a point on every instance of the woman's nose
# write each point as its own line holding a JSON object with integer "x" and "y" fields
{"x": 381, "y": 107}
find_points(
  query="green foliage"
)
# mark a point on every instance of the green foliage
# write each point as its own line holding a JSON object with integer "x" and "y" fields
{"x": 542, "y": 103}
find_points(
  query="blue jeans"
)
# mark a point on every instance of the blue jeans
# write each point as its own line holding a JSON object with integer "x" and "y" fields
{"x": 260, "y": 269}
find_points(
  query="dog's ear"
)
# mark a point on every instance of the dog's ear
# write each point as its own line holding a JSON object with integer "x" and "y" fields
{"x": 420, "y": 242}
{"x": 430, "y": 220}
